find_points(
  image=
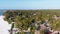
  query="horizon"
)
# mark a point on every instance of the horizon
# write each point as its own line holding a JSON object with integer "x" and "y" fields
{"x": 29, "y": 9}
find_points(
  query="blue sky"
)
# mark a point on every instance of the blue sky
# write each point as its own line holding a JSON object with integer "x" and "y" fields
{"x": 29, "y": 4}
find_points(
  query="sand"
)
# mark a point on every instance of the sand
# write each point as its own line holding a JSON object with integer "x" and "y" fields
{"x": 4, "y": 26}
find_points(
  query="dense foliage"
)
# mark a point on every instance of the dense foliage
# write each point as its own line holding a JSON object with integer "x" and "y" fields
{"x": 24, "y": 18}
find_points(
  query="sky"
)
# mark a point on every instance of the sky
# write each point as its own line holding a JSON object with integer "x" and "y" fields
{"x": 29, "y": 4}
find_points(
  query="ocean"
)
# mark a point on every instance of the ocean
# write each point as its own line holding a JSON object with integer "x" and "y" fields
{"x": 1, "y": 12}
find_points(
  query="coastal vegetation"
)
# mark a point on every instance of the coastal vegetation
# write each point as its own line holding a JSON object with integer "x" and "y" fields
{"x": 24, "y": 19}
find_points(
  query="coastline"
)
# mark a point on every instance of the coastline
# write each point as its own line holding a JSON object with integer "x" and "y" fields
{"x": 4, "y": 26}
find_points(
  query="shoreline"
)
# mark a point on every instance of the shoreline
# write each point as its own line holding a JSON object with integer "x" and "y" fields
{"x": 4, "y": 26}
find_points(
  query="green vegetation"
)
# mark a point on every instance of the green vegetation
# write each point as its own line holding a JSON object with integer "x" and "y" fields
{"x": 41, "y": 31}
{"x": 23, "y": 18}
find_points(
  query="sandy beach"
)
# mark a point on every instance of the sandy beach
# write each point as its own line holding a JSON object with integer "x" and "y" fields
{"x": 4, "y": 26}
